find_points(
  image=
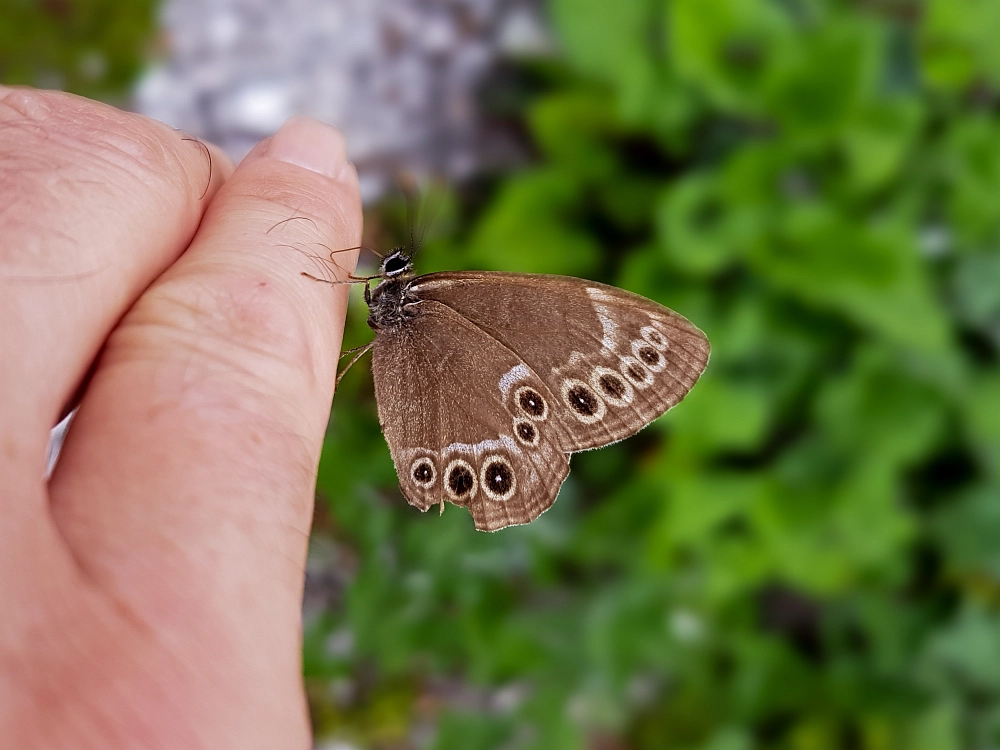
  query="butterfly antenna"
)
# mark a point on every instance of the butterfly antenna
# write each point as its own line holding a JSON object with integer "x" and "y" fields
{"x": 411, "y": 216}
{"x": 435, "y": 198}
{"x": 407, "y": 185}
{"x": 361, "y": 351}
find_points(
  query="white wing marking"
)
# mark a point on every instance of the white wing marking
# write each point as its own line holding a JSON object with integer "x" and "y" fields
{"x": 513, "y": 375}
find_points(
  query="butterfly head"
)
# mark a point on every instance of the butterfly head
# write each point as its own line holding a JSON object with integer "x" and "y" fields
{"x": 387, "y": 301}
{"x": 397, "y": 263}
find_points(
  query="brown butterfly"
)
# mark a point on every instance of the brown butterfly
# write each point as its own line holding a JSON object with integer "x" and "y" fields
{"x": 486, "y": 382}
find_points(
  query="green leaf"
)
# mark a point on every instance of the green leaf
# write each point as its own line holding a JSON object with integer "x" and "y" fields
{"x": 981, "y": 413}
{"x": 969, "y": 650}
{"x": 824, "y": 78}
{"x": 878, "y": 140}
{"x": 969, "y": 531}
{"x": 729, "y": 738}
{"x": 572, "y": 130}
{"x": 530, "y": 227}
{"x": 471, "y": 731}
{"x": 867, "y": 271}
{"x": 972, "y": 167}
{"x": 95, "y": 48}
{"x": 609, "y": 42}
{"x": 976, "y": 289}
{"x": 723, "y": 412}
{"x": 936, "y": 729}
{"x": 877, "y": 410}
{"x": 728, "y": 48}
{"x": 700, "y": 232}
{"x": 958, "y": 42}
{"x": 700, "y": 504}
{"x": 827, "y": 539}
{"x": 617, "y": 44}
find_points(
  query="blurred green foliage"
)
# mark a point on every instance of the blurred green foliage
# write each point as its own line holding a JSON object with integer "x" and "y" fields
{"x": 90, "y": 47}
{"x": 803, "y": 555}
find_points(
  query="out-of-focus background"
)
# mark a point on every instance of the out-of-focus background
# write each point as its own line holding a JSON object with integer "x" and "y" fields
{"x": 805, "y": 554}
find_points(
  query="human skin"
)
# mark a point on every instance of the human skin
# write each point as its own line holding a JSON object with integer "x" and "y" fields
{"x": 150, "y": 590}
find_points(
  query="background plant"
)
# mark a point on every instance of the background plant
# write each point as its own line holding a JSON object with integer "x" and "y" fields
{"x": 806, "y": 553}
{"x": 91, "y": 47}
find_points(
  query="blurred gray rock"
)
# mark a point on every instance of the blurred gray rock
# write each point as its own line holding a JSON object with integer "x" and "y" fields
{"x": 398, "y": 77}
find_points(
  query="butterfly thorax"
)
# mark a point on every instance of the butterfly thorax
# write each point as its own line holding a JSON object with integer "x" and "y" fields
{"x": 389, "y": 303}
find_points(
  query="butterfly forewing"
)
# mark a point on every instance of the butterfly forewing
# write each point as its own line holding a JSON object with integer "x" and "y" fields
{"x": 467, "y": 422}
{"x": 611, "y": 361}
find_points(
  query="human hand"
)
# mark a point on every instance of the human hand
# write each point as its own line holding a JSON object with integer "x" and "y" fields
{"x": 150, "y": 592}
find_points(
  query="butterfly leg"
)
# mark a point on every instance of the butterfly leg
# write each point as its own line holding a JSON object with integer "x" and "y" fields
{"x": 356, "y": 247}
{"x": 361, "y": 351}
{"x": 351, "y": 279}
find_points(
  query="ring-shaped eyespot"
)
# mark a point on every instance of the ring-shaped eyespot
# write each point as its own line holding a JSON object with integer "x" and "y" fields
{"x": 635, "y": 373}
{"x": 531, "y": 403}
{"x": 612, "y": 387}
{"x": 526, "y": 432}
{"x": 652, "y": 359}
{"x": 583, "y": 402}
{"x": 497, "y": 479}
{"x": 654, "y": 337}
{"x": 423, "y": 473}
{"x": 460, "y": 481}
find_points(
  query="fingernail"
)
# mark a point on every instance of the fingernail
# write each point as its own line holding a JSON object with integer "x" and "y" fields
{"x": 259, "y": 149}
{"x": 309, "y": 143}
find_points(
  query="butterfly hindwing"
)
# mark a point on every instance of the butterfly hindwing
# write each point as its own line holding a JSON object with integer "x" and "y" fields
{"x": 467, "y": 422}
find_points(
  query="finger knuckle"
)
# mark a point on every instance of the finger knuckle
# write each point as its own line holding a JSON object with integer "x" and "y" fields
{"x": 51, "y": 136}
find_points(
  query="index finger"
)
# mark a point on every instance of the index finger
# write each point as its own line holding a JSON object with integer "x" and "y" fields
{"x": 97, "y": 202}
